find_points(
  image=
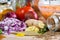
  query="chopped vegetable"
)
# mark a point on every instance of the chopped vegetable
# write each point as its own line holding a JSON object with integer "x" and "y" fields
{"x": 20, "y": 34}
{"x": 40, "y": 24}
{"x": 0, "y": 31}
{"x": 43, "y": 30}
{"x": 33, "y": 22}
{"x": 12, "y": 25}
{"x": 32, "y": 29}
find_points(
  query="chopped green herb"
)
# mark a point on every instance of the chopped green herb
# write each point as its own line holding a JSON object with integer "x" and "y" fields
{"x": 0, "y": 31}
{"x": 43, "y": 30}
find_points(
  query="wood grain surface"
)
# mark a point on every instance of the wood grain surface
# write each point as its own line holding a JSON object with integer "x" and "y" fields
{"x": 46, "y": 36}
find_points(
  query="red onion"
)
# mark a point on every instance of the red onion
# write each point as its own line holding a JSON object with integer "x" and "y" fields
{"x": 12, "y": 25}
{"x": 11, "y": 15}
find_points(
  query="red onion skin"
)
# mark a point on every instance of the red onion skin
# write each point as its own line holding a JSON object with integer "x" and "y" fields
{"x": 10, "y": 15}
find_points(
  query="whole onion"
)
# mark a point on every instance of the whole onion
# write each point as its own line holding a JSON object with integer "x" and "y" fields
{"x": 7, "y": 13}
{"x": 9, "y": 25}
{"x": 11, "y": 15}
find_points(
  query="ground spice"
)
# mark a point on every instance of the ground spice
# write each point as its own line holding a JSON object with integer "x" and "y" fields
{"x": 1, "y": 37}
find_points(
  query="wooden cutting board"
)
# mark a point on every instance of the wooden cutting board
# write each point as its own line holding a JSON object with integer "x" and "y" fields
{"x": 46, "y": 36}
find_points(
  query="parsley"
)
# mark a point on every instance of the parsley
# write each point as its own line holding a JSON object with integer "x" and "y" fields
{"x": 0, "y": 31}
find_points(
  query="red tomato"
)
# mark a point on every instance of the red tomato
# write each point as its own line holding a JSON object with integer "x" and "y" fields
{"x": 22, "y": 13}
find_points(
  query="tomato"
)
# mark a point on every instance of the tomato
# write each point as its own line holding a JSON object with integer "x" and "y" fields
{"x": 25, "y": 13}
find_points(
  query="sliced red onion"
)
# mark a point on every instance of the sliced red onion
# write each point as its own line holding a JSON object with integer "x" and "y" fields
{"x": 12, "y": 24}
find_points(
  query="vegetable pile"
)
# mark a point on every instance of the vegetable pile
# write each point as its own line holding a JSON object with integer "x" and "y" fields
{"x": 36, "y": 26}
{"x": 32, "y": 29}
{"x": 11, "y": 24}
{"x": 25, "y": 19}
{"x": 33, "y": 22}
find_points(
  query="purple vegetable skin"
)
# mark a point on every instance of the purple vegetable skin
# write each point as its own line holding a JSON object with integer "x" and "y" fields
{"x": 10, "y": 15}
{"x": 9, "y": 25}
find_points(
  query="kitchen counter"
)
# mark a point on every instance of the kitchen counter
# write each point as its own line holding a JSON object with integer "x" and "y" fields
{"x": 46, "y": 36}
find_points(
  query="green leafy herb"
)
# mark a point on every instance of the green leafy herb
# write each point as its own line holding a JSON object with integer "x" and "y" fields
{"x": 43, "y": 30}
{"x": 0, "y": 31}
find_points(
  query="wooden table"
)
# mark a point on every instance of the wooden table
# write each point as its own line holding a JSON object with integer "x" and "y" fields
{"x": 46, "y": 36}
